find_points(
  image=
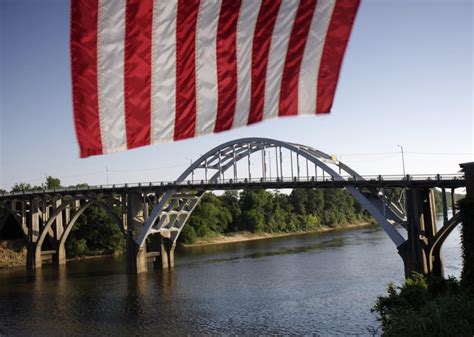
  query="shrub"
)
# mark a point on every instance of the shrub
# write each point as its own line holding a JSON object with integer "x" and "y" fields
{"x": 467, "y": 237}
{"x": 77, "y": 248}
{"x": 188, "y": 235}
{"x": 420, "y": 308}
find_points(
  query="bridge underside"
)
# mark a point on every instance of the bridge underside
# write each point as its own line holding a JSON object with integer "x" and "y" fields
{"x": 152, "y": 216}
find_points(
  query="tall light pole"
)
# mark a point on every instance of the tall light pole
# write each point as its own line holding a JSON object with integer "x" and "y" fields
{"x": 107, "y": 174}
{"x": 403, "y": 159}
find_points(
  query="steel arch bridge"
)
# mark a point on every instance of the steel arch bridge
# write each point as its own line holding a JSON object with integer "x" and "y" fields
{"x": 170, "y": 215}
{"x": 161, "y": 210}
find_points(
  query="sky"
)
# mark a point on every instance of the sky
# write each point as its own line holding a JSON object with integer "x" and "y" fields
{"x": 407, "y": 79}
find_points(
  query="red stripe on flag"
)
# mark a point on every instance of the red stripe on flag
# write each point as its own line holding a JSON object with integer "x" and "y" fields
{"x": 186, "y": 20}
{"x": 137, "y": 77}
{"x": 267, "y": 16}
{"x": 294, "y": 56}
{"x": 226, "y": 56}
{"x": 334, "y": 47}
{"x": 84, "y": 16}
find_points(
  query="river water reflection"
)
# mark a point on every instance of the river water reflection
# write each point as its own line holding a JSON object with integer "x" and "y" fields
{"x": 322, "y": 284}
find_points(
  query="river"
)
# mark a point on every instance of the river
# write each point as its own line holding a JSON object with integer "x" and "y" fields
{"x": 322, "y": 284}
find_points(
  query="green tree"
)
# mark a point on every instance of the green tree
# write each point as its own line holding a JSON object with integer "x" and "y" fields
{"x": 254, "y": 220}
{"x": 230, "y": 201}
{"x": 315, "y": 202}
{"x": 210, "y": 216}
{"x": 263, "y": 211}
{"x": 52, "y": 183}
{"x": 299, "y": 200}
{"x": 77, "y": 248}
{"x": 188, "y": 234}
{"x": 100, "y": 234}
{"x": 467, "y": 237}
{"x": 255, "y": 210}
{"x": 421, "y": 308}
{"x": 21, "y": 187}
{"x": 81, "y": 185}
{"x": 279, "y": 219}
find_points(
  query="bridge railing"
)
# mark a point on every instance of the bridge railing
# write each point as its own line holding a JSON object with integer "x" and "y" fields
{"x": 246, "y": 181}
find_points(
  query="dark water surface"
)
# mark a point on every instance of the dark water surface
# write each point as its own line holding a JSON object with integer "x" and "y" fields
{"x": 321, "y": 284}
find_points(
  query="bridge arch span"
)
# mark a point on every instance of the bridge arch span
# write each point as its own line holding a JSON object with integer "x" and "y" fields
{"x": 89, "y": 201}
{"x": 171, "y": 213}
{"x": 14, "y": 213}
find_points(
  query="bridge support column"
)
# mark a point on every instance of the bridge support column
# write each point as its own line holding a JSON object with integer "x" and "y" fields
{"x": 136, "y": 257}
{"x": 166, "y": 260}
{"x": 59, "y": 257}
{"x": 435, "y": 260}
{"x": 33, "y": 258}
{"x": 415, "y": 251}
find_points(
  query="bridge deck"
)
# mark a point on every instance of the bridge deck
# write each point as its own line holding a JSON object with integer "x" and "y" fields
{"x": 411, "y": 181}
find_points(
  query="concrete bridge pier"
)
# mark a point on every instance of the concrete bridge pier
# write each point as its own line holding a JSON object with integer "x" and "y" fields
{"x": 166, "y": 258}
{"x": 137, "y": 258}
{"x": 137, "y": 211}
{"x": 160, "y": 249}
{"x": 59, "y": 258}
{"x": 45, "y": 221}
{"x": 33, "y": 260}
{"x": 421, "y": 252}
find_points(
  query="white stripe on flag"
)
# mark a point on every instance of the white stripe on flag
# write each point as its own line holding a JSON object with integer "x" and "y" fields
{"x": 308, "y": 81}
{"x": 163, "y": 71}
{"x": 277, "y": 56}
{"x": 110, "y": 67}
{"x": 245, "y": 29}
{"x": 206, "y": 66}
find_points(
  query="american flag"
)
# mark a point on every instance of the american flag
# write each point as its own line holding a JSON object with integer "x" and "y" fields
{"x": 152, "y": 71}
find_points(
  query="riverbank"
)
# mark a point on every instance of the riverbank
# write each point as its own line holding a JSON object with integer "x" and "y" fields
{"x": 13, "y": 253}
{"x": 248, "y": 236}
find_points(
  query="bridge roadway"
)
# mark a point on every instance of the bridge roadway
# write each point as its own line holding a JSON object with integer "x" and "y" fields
{"x": 447, "y": 181}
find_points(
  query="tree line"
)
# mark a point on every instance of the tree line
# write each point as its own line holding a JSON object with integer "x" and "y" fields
{"x": 272, "y": 212}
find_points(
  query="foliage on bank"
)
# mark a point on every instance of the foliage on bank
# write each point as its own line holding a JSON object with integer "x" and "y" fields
{"x": 437, "y": 307}
{"x": 467, "y": 239}
{"x": 95, "y": 234}
{"x": 434, "y": 307}
{"x": 263, "y": 211}
{"x": 12, "y": 253}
